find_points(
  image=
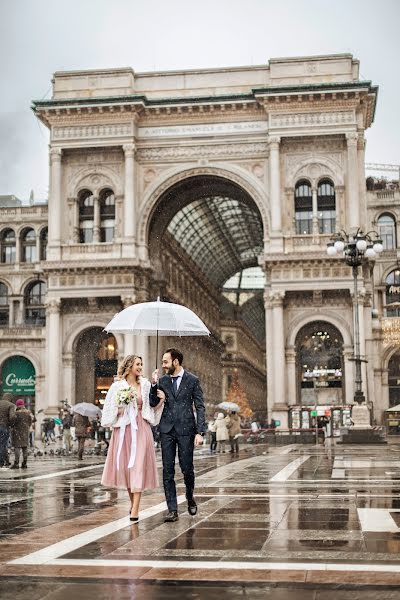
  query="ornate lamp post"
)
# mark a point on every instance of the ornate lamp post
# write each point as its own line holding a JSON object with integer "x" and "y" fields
{"x": 356, "y": 249}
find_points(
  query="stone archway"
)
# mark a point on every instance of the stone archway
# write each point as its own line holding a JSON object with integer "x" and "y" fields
{"x": 203, "y": 230}
{"x": 96, "y": 354}
{"x": 320, "y": 364}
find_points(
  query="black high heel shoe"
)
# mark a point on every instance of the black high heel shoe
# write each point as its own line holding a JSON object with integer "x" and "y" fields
{"x": 134, "y": 519}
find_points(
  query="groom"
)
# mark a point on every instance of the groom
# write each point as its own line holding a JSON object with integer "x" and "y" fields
{"x": 179, "y": 390}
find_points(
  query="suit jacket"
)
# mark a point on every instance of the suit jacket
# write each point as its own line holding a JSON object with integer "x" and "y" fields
{"x": 178, "y": 409}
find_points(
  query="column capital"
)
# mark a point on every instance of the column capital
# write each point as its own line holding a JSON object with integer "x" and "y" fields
{"x": 274, "y": 298}
{"x": 55, "y": 154}
{"x": 129, "y": 150}
{"x": 274, "y": 141}
{"x": 53, "y": 305}
{"x": 352, "y": 138}
{"x": 128, "y": 300}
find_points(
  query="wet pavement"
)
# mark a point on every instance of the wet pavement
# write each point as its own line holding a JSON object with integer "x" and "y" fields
{"x": 300, "y": 522}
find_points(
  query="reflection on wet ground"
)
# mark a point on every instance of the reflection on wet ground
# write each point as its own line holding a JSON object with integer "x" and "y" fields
{"x": 291, "y": 521}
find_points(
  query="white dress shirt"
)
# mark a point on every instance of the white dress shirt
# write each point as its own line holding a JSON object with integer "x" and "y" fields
{"x": 178, "y": 378}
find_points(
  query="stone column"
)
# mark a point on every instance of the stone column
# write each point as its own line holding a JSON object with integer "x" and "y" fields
{"x": 142, "y": 349}
{"x": 291, "y": 383}
{"x": 11, "y": 312}
{"x": 129, "y": 201}
{"x": 37, "y": 240}
{"x": 54, "y": 241}
{"x": 349, "y": 375}
{"x": 21, "y": 312}
{"x": 74, "y": 219}
{"x": 279, "y": 347}
{"x": 353, "y": 201}
{"x": 340, "y": 207}
{"x": 18, "y": 248}
{"x": 315, "y": 228}
{"x": 96, "y": 220}
{"x": 53, "y": 363}
{"x": 129, "y": 338}
{"x": 275, "y": 184}
{"x": 362, "y": 192}
{"x": 269, "y": 340}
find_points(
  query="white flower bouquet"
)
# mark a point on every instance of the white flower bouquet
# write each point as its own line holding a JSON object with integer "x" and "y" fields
{"x": 125, "y": 396}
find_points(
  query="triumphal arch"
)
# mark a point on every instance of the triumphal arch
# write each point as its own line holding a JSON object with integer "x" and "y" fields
{"x": 217, "y": 189}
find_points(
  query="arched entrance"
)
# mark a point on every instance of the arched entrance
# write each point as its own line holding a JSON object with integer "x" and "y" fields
{"x": 205, "y": 236}
{"x": 394, "y": 379}
{"x": 320, "y": 377}
{"x": 18, "y": 377}
{"x": 96, "y": 356}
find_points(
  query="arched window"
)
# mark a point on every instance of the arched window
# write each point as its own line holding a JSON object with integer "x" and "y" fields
{"x": 8, "y": 242}
{"x": 303, "y": 207}
{"x": 35, "y": 311}
{"x": 326, "y": 206}
{"x": 107, "y": 216}
{"x": 28, "y": 246}
{"x": 44, "y": 235}
{"x": 387, "y": 231}
{"x": 4, "y": 308}
{"x": 86, "y": 216}
{"x": 393, "y": 294}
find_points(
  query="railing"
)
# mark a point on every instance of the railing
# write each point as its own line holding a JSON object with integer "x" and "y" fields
{"x": 23, "y": 211}
{"x": 77, "y": 250}
{"x": 23, "y": 331}
{"x": 385, "y": 194}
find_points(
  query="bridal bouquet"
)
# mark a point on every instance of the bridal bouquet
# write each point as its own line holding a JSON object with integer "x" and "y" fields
{"x": 125, "y": 396}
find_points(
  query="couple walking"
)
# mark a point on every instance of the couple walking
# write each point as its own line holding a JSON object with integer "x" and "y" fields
{"x": 169, "y": 400}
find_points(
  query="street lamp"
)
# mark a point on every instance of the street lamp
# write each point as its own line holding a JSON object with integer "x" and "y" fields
{"x": 356, "y": 249}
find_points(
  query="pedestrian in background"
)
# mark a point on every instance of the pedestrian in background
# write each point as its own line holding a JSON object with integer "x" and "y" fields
{"x": 67, "y": 438}
{"x": 213, "y": 434}
{"x": 81, "y": 425}
{"x": 234, "y": 431}
{"x": 7, "y": 415}
{"x": 221, "y": 431}
{"x": 20, "y": 434}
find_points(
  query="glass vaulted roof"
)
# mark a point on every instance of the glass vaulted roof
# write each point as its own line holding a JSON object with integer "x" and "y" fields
{"x": 245, "y": 290}
{"x": 222, "y": 235}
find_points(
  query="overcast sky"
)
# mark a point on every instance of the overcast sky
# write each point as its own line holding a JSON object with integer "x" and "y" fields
{"x": 39, "y": 37}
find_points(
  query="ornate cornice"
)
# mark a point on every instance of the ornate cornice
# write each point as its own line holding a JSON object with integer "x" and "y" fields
{"x": 172, "y": 153}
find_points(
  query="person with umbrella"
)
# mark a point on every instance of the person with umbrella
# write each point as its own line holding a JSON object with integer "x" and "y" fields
{"x": 180, "y": 391}
{"x": 131, "y": 458}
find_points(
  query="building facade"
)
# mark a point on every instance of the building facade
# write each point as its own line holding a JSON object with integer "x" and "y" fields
{"x": 217, "y": 189}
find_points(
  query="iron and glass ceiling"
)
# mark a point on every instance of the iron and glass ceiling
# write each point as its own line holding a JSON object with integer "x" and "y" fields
{"x": 222, "y": 235}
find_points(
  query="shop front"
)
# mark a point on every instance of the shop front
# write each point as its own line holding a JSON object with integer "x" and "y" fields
{"x": 18, "y": 378}
{"x": 309, "y": 417}
{"x": 392, "y": 417}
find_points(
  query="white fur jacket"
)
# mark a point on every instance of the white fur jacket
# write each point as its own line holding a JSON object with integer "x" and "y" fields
{"x": 110, "y": 409}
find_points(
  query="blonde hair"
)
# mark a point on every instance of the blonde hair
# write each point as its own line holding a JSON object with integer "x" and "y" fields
{"x": 127, "y": 365}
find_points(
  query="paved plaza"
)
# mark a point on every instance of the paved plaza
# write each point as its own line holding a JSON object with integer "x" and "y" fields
{"x": 295, "y": 521}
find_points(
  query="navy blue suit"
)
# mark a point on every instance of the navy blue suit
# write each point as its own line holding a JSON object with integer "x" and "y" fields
{"x": 178, "y": 427}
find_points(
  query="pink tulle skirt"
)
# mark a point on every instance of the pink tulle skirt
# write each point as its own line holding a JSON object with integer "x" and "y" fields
{"x": 143, "y": 475}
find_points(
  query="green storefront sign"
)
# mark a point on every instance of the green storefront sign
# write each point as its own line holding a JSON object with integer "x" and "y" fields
{"x": 18, "y": 376}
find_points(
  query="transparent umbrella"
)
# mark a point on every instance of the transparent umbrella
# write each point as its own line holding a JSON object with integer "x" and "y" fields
{"x": 158, "y": 319}
{"x": 229, "y": 406}
{"x": 87, "y": 409}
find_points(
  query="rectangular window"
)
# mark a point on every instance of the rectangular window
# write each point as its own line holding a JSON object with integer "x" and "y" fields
{"x": 327, "y": 221}
{"x": 303, "y": 222}
{"x": 8, "y": 254}
{"x": 4, "y": 317}
{"x": 35, "y": 316}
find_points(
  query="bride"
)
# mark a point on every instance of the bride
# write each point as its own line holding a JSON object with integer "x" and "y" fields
{"x": 131, "y": 458}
